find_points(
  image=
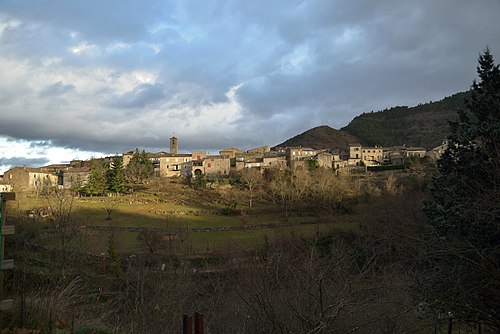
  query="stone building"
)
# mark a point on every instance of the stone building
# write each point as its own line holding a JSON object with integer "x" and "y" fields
{"x": 438, "y": 151}
{"x": 216, "y": 165}
{"x": 230, "y": 153}
{"x": 4, "y": 187}
{"x": 76, "y": 178}
{"x": 171, "y": 165}
{"x": 174, "y": 145}
{"x": 29, "y": 179}
{"x": 366, "y": 155}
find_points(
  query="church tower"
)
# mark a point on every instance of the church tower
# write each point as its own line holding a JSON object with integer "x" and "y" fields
{"x": 174, "y": 145}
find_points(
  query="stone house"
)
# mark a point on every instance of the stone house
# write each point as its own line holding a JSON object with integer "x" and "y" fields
{"x": 29, "y": 179}
{"x": 216, "y": 165}
{"x": 300, "y": 153}
{"x": 76, "y": 178}
{"x": 230, "y": 153}
{"x": 171, "y": 164}
{"x": 325, "y": 159}
{"x": 274, "y": 161}
{"x": 416, "y": 152}
{"x": 438, "y": 151}
{"x": 198, "y": 155}
{"x": 366, "y": 155}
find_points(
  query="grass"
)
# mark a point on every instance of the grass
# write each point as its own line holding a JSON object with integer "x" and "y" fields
{"x": 166, "y": 214}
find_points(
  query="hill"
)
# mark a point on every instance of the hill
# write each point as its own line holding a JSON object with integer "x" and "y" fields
{"x": 424, "y": 125}
{"x": 321, "y": 137}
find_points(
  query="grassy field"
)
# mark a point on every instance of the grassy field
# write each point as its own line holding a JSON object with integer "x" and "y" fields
{"x": 191, "y": 223}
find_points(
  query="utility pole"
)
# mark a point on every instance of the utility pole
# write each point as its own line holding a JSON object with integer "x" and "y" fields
{"x": 4, "y": 230}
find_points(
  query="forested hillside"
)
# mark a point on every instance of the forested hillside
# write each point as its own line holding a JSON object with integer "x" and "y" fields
{"x": 424, "y": 125}
{"x": 321, "y": 137}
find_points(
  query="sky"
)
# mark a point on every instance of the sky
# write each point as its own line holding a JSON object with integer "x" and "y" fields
{"x": 81, "y": 79}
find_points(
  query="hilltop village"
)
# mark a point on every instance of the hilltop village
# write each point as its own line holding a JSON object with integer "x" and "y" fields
{"x": 199, "y": 163}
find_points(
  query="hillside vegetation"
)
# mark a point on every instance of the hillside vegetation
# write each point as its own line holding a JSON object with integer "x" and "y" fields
{"x": 424, "y": 125}
{"x": 321, "y": 137}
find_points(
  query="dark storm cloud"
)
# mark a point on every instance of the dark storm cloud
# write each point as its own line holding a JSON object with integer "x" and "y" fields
{"x": 140, "y": 96}
{"x": 40, "y": 144}
{"x": 22, "y": 161}
{"x": 105, "y": 76}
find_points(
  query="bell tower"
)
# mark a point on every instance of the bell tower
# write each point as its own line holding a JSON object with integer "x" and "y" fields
{"x": 174, "y": 145}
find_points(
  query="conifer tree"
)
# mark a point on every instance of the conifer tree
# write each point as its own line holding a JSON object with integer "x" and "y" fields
{"x": 116, "y": 179}
{"x": 97, "y": 180}
{"x": 139, "y": 168}
{"x": 463, "y": 263}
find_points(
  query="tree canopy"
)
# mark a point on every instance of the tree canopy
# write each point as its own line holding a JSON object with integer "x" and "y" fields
{"x": 463, "y": 262}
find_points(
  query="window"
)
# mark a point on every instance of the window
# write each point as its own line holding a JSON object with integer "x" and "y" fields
{"x": 209, "y": 165}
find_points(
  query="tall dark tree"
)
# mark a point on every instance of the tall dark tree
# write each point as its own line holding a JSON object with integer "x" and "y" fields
{"x": 116, "y": 179}
{"x": 463, "y": 261}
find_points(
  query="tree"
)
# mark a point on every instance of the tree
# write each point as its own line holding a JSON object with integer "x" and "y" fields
{"x": 116, "y": 180}
{"x": 251, "y": 179}
{"x": 463, "y": 262}
{"x": 139, "y": 168}
{"x": 97, "y": 180}
{"x": 62, "y": 204}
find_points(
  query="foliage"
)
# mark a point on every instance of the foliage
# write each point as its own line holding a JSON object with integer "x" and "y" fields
{"x": 312, "y": 165}
{"x": 464, "y": 208}
{"x": 424, "y": 125}
{"x": 139, "y": 168}
{"x": 97, "y": 184}
{"x": 114, "y": 259}
{"x": 115, "y": 177}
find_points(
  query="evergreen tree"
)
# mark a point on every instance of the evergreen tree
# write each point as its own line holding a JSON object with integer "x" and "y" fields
{"x": 139, "y": 168}
{"x": 463, "y": 262}
{"x": 116, "y": 179}
{"x": 97, "y": 180}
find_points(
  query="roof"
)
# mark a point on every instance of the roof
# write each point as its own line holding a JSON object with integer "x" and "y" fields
{"x": 77, "y": 170}
{"x": 28, "y": 169}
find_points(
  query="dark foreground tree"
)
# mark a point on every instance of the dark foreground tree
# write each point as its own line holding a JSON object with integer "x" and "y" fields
{"x": 462, "y": 262}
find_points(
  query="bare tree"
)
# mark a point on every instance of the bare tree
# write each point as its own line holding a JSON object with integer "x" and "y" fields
{"x": 62, "y": 204}
{"x": 251, "y": 179}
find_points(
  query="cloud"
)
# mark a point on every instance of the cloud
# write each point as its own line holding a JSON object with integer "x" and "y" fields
{"x": 56, "y": 89}
{"x": 7, "y": 163}
{"x": 140, "y": 96}
{"x": 101, "y": 77}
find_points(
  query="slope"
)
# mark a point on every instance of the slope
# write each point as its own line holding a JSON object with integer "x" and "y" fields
{"x": 321, "y": 137}
{"x": 424, "y": 125}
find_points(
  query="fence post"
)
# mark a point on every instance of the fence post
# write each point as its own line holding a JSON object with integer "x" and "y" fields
{"x": 4, "y": 230}
{"x": 198, "y": 323}
{"x": 187, "y": 324}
